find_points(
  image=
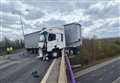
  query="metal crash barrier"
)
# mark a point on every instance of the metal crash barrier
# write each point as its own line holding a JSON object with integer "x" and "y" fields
{"x": 70, "y": 75}
{"x": 66, "y": 73}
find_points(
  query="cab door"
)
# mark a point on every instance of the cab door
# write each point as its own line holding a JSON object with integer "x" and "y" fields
{"x": 52, "y": 41}
{"x": 60, "y": 42}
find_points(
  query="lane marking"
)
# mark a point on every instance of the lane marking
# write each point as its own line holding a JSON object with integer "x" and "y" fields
{"x": 3, "y": 61}
{"x": 9, "y": 63}
{"x": 6, "y": 65}
{"x": 48, "y": 72}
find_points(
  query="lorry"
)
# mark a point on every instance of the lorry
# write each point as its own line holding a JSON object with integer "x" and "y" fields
{"x": 49, "y": 42}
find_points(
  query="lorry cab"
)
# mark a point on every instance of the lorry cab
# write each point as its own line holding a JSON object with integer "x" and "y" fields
{"x": 51, "y": 42}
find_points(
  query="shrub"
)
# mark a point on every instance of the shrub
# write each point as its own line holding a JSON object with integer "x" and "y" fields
{"x": 96, "y": 49}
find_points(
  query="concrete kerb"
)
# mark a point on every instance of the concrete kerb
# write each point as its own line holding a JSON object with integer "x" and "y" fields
{"x": 62, "y": 73}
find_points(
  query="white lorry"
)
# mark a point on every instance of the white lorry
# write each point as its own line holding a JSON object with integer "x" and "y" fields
{"x": 50, "y": 41}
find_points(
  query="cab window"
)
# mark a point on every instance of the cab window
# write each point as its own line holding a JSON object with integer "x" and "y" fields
{"x": 51, "y": 37}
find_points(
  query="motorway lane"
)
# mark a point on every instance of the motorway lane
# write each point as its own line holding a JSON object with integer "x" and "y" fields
{"x": 21, "y": 71}
{"x": 106, "y": 74}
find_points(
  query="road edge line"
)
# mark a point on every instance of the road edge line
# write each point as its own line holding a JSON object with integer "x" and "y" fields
{"x": 48, "y": 72}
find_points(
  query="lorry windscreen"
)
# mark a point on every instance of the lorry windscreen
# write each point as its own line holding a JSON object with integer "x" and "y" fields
{"x": 43, "y": 36}
{"x": 51, "y": 37}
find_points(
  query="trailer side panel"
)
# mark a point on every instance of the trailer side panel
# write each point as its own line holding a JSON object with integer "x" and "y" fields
{"x": 31, "y": 40}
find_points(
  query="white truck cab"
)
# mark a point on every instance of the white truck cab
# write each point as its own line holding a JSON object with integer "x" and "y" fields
{"x": 51, "y": 41}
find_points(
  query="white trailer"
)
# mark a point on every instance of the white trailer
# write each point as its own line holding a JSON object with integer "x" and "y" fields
{"x": 73, "y": 37}
{"x": 73, "y": 34}
{"x": 31, "y": 42}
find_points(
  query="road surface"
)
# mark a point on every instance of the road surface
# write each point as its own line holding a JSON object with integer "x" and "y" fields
{"x": 105, "y": 74}
{"x": 21, "y": 70}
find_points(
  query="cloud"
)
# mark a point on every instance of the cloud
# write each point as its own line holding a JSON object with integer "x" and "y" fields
{"x": 33, "y": 14}
{"x": 50, "y": 5}
{"x": 95, "y": 16}
{"x": 53, "y": 23}
{"x": 8, "y": 18}
{"x": 103, "y": 10}
{"x": 16, "y": 7}
{"x": 104, "y": 26}
{"x": 4, "y": 1}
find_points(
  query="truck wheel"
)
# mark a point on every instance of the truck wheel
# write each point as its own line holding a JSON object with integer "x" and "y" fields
{"x": 55, "y": 54}
{"x": 40, "y": 53}
{"x": 71, "y": 52}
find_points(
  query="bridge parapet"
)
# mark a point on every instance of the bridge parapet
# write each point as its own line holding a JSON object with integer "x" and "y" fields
{"x": 60, "y": 71}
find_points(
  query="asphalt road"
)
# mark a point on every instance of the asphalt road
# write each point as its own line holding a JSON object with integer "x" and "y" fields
{"x": 106, "y": 74}
{"x": 21, "y": 70}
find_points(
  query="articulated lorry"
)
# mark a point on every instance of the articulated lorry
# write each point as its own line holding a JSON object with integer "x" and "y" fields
{"x": 50, "y": 41}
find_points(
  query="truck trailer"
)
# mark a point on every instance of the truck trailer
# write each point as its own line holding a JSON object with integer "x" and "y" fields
{"x": 31, "y": 42}
{"x": 49, "y": 42}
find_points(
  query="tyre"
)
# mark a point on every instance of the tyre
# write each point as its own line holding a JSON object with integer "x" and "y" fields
{"x": 55, "y": 54}
{"x": 71, "y": 52}
{"x": 40, "y": 53}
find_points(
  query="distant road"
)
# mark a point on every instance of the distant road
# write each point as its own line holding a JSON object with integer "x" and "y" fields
{"x": 20, "y": 70}
{"x": 105, "y": 74}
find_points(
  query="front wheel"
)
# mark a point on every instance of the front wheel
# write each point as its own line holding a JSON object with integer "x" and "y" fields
{"x": 40, "y": 54}
{"x": 55, "y": 54}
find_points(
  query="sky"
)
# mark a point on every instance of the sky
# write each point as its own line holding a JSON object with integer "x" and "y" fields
{"x": 97, "y": 17}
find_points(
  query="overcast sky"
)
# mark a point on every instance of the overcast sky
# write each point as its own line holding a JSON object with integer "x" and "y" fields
{"x": 97, "y": 17}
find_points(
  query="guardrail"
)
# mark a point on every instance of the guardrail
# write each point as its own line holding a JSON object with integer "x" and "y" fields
{"x": 70, "y": 72}
{"x": 65, "y": 69}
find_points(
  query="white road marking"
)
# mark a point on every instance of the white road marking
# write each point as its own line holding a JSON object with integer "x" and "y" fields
{"x": 14, "y": 62}
{"x": 48, "y": 72}
{"x": 3, "y": 61}
{"x": 8, "y": 64}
